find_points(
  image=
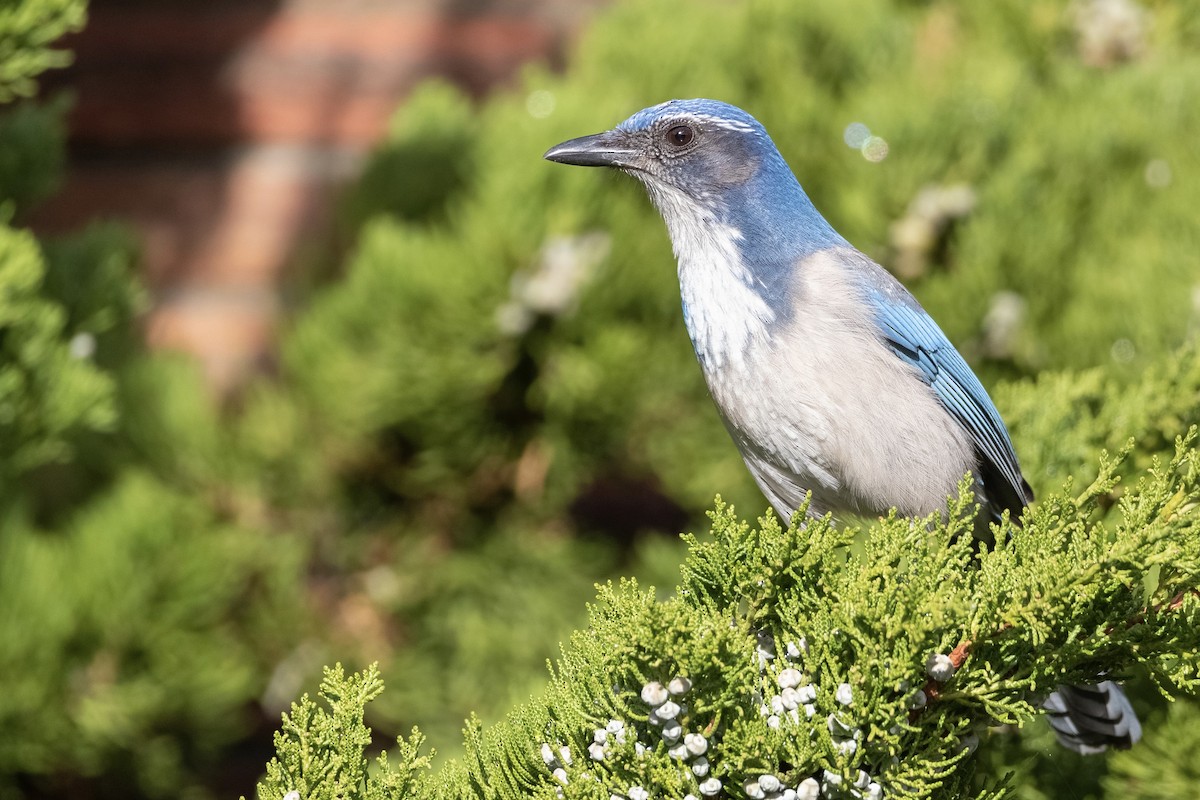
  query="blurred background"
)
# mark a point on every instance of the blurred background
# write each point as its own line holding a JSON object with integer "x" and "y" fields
{"x": 223, "y": 133}
{"x": 307, "y": 356}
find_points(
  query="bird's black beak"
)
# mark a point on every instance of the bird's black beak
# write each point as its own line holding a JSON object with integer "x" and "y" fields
{"x": 608, "y": 149}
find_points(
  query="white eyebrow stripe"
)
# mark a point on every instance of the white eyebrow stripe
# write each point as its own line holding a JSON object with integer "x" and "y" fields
{"x": 723, "y": 122}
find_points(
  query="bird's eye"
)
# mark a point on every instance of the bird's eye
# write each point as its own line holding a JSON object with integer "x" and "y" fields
{"x": 680, "y": 135}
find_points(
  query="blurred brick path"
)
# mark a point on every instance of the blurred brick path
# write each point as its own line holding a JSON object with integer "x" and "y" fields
{"x": 222, "y": 131}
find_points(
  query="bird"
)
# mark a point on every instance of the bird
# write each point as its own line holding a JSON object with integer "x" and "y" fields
{"x": 836, "y": 386}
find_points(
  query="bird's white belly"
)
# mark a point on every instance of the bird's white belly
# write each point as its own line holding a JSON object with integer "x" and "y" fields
{"x": 863, "y": 436}
{"x": 819, "y": 403}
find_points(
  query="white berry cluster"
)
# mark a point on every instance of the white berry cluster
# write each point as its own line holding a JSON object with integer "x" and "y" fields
{"x": 557, "y": 760}
{"x": 667, "y": 710}
{"x": 768, "y": 787}
{"x": 602, "y": 739}
{"x": 832, "y": 785}
{"x": 796, "y": 695}
{"x": 794, "y": 692}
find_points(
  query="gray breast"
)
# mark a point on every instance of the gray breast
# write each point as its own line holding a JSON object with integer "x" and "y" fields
{"x": 818, "y": 403}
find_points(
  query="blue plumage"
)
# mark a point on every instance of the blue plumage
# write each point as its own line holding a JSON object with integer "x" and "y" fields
{"x": 832, "y": 380}
{"x": 917, "y": 340}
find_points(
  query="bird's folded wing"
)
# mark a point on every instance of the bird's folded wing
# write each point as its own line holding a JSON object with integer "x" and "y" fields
{"x": 914, "y": 337}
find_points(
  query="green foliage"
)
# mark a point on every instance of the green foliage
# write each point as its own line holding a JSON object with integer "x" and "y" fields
{"x": 136, "y": 628}
{"x": 330, "y": 763}
{"x": 426, "y": 160}
{"x": 47, "y": 393}
{"x": 28, "y": 28}
{"x": 1167, "y": 765}
{"x": 32, "y": 156}
{"x": 495, "y": 406}
{"x": 1064, "y": 598}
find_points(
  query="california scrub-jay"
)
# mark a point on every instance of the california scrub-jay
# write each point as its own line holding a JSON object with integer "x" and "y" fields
{"x": 829, "y": 375}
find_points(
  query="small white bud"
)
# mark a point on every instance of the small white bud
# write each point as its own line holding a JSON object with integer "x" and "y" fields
{"x": 808, "y": 789}
{"x": 753, "y": 790}
{"x": 844, "y": 695}
{"x": 874, "y": 791}
{"x": 565, "y": 753}
{"x": 803, "y": 645}
{"x": 679, "y": 752}
{"x": 697, "y": 745}
{"x": 679, "y": 685}
{"x": 789, "y": 678}
{"x": 596, "y": 751}
{"x": 614, "y": 725}
{"x": 769, "y": 783}
{"x": 637, "y": 793}
{"x": 790, "y": 698}
{"x": 806, "y": 693}
{"x": 654, "y": 719}
{"x": 654, "y": 694}
{"x": 668, "y": 710}
{"x": 862, "y": 780}
{"x": 773, "y": 722}
{"x": 792, "y": 650}
{"x": 847, "y": 746}
{"x": 639, "y": 749}
{"x": 794, "y": 716}
{"x": 810, "y": 710}
{"x": 918, "y": 699}
{"x": 832, "y": 778}
{"x": 561, "y": 775}
{"x": 671, "y": 731}
{"x": 548, "y": 754}
{"x": 700, "y": 767}
{"x": 787, "y": 794}
{"x": 777, "y": 704}
{"x": 939, "y": 667}
{"x": 599, "y": 736}
{"x": 292, "y": 795}
{"x": 710, "y": 787}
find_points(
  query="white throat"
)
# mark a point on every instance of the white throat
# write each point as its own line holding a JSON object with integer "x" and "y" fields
{"x": 723, "y": 314}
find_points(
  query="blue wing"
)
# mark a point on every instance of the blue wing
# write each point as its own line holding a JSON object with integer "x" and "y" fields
{"x": 914, "y": 337}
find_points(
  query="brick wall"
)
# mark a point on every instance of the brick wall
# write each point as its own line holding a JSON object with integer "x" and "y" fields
{"x": 222, "y": 131}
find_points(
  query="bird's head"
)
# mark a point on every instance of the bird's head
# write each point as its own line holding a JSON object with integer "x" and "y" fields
{"x": 698, "y": 148}
{"x": 705, "y": 162}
